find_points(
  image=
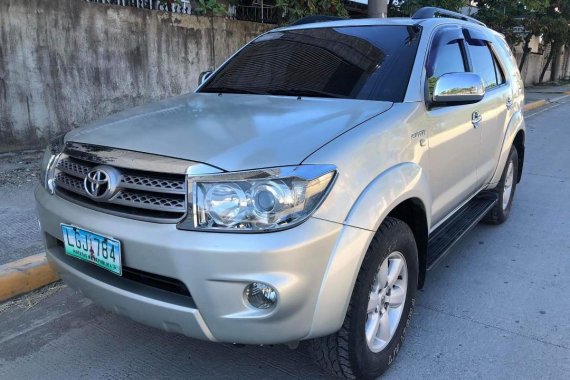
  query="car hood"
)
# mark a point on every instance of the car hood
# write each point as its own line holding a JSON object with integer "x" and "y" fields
{"x": 231, "y": 131}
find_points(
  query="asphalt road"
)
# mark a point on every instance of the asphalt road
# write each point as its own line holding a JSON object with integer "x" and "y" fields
{"x": 497, "y": 307}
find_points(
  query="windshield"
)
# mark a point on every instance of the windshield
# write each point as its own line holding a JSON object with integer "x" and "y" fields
{"x": 357, "y": 62}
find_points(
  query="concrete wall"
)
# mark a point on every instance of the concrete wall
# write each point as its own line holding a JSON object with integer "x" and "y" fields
{"x": 66, "y": 62}
{"x": 535, "y": 62}
{"x": 532, "y": 68}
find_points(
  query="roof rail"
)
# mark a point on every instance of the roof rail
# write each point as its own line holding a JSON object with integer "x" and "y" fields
{"x": 316, "y": 18}
{"x": 431, "y": 12}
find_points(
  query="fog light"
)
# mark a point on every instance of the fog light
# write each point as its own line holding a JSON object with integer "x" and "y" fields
{"x": 260, "y": 295}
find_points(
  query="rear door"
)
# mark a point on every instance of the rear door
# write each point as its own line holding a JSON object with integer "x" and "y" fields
{"x": 454, "y": 140}
{"x": 496, "y": 107}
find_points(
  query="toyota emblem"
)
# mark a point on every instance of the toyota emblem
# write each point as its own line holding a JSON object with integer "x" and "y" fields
{"x": 101, "y": 182}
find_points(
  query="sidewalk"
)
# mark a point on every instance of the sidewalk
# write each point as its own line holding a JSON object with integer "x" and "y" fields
{"x": 536, "y": 93}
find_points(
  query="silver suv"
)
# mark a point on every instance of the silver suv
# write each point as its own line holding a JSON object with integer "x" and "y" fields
{"x": 301, "y": 193}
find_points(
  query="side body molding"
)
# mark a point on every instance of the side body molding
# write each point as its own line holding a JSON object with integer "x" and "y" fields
{"x": 395, "y": 185}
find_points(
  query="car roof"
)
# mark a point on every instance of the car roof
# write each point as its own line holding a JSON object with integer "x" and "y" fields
{"x": 405, "y": 21}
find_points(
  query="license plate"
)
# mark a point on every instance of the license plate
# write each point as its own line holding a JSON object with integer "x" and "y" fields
{"x": 102, "y": 251}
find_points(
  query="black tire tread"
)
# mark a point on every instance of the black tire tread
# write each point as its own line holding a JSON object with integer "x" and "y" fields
{"x": 495, "y": 215}
{"x": 331, "y": 352}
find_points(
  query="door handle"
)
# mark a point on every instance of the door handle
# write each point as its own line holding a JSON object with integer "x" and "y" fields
{"x": 509, "y": 103}
{"x": 476, "y": 119}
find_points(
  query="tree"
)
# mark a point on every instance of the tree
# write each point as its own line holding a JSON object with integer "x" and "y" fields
{"x": 555, "y": 33}
{"x": 407, "y": 8}
{"x": 509, "y": 17}
{"x": 210, "y": 8}
{"x": 562, "y": 10}
{"x": 533, "y": 26}
{"x": 292, "y": 10}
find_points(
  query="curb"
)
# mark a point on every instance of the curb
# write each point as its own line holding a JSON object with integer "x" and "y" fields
{"x": 542, "y": 102}
{"x": 554, "y": 100}
{"x": 25, "y": 275}
{"x": 535, "y": 105}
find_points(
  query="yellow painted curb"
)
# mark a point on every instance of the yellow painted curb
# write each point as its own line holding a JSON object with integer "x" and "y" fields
{"x": 25, "y": 275}
{"x": 534, "y": 105}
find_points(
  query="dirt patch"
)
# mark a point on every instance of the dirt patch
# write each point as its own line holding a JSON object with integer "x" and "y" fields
{"x": 30, "y": 300}
{"x": 20, "y": 169}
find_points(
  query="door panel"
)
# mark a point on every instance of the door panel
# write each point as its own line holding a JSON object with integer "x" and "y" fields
{"x": 454, "y": 141}
{"x": 493, "y": 107}
{"x": 453, "y": 154}
{"x": 493, "y": 126}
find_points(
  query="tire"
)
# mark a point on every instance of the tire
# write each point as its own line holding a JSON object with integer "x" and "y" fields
{"x": 505, "y": 190}
{"x": 348, "y": 353}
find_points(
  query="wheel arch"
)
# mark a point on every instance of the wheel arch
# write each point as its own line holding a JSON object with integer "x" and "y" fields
{"x": 412, "y": 212}
{"x": 514, "y": 136}
{"x": 401, "y": 192}
{"x": 518, "y": 143}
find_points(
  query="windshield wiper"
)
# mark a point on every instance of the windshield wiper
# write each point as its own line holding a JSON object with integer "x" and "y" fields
{"x": 306, "y": 92}
{"x": 230, "y": 90}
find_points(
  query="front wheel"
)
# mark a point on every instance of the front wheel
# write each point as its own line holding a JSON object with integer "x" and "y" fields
{"x": 380, "y": 308}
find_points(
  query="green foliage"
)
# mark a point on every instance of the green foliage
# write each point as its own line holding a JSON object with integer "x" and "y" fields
{"x": 210, "y": 8}
{"x": 505, "y": 16}
{"x": 169, "y": 2}
{"x": 292, "y": 10}
{"x": 408, "y": 7}
{"x": 555, "y": 30}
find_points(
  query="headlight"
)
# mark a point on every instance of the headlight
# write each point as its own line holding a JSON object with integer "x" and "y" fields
{"x": 257, "y": 200}
{"x": 53, "y": 150}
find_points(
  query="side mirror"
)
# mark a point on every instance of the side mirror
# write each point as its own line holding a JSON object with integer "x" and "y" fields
{"x": 458, "y": 88}
{"x": 204, "y": 75}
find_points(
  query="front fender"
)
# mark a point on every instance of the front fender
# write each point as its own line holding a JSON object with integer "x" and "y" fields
{"x": 395, "y": 185}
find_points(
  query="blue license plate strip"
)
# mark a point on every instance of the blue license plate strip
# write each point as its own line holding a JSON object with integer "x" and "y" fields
{"x": 103, "y": 251}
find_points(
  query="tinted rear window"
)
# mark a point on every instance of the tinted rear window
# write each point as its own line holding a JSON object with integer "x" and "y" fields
{"x": 358, "y": 62}
{"x": 484, "y": 63}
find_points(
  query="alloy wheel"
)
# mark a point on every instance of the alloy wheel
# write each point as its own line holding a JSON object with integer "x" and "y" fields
{"x": 386, "y": 301}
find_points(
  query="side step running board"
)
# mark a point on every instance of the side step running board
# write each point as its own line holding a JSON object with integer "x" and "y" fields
{"x": 445, "y": 236}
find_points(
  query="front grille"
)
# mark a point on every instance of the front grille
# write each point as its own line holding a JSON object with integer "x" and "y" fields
{"x": 139, "y": 194}
{"x": 163, "y": 185}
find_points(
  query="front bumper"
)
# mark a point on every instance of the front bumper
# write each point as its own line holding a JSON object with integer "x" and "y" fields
{"x": 312, "y": 266}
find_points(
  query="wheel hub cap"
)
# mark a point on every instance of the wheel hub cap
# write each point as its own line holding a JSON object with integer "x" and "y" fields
{"x": 386, "y": 301}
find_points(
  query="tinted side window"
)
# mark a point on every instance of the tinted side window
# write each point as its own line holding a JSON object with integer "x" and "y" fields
{"x": 483, "y": 63}
{"x": 500, "y": 74}
{"x": 506, "y": 51}
{"x": 448, "y": 59}
{"x": 445, "y": 57}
